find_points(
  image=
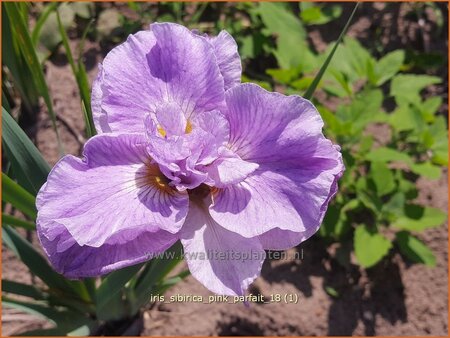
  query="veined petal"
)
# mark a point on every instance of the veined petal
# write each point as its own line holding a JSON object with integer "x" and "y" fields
{"x": 276, "y": 196}
{"x": 223, "y": 261}
{"x": 127, "y": 90}
{"x": 114, "y": 188}
{"x": 186, "y": 63}
{"x": 125, "y": 248}
{"x": 226, "y": 50}
{"x": 171, "y": 119}
{"x": 271, "y": 127}
{"x": 298, "y": 167}
{"x": 165, "y": 65}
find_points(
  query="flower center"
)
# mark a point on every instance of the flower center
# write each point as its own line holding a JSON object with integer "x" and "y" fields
{"x": 155, "y": 177}
{"x": 184, "y": 147}
{"x": 187, "y": 130}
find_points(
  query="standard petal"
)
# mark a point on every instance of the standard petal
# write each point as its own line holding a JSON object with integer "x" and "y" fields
{"x": 171, "y": 119}
{"x": 128, "y": 90}
{"x": 125, "y": 248}
{"x": 226, "y": 50}
{"x": 186, "y": 63}
{"x": 113, "y": 189}
{"x": 223, "y": 261}
{"x": 168, "y": 64}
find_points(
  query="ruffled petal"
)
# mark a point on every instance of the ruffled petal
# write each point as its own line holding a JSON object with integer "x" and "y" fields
{"x": 171, "y": 119}
{"x": 128, "y": 247}
{"x": 127, "y": 87}
{"x": 271, "y": 127}
{"x": 214, "y": 123}
{"x": 168, "y": 64}
{"x": 99, "y": 116}
{"x": 298, "y": 168}
{"x": 223, "y": 261}
{"x": 228, "y": 169}
{"x": 226, "y": 50}
{"x": 114, "y": 188}
{"x": 183, "y": 158}
{"x": 186, "y": 63}
{"x": 275, "y": 196}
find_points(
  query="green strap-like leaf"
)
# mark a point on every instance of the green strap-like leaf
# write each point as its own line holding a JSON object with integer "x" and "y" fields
{"x": 5, "y": 102}
{"x": 37, "y": 309}
{"x": 35, "y": 262}
{"x": 66, "y": 321}
{"x": 16, "y": 222}
{"x": 168, "y": 283}
{"x": 91, "y": 289}
{"x": 18, "y": 197}
{"x": 155, "y": 272}
{"x": 22, "y": 289}
{"x": 29, "y": 52}
{"x": 28, "y": 165}
{"x": 310, "y": 91}
{"x": 19, "y": 69}
{"x": 81, "y": 77}
{"x": 41, "y": 21}
{"x": 111, "y": 286}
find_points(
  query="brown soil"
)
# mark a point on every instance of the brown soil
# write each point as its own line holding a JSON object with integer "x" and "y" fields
{"x": 394, "y": 298}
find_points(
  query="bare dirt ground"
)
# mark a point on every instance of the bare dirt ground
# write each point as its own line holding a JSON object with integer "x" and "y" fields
{"x": 394, "y": 298}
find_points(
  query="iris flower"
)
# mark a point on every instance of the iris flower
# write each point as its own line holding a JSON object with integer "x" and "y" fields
{"x": 185, "y": 152}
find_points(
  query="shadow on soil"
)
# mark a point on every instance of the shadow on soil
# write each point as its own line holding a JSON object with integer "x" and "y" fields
{"x": 361, "y": 295}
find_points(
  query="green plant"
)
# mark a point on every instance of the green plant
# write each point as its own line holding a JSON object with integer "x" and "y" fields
{"x": 20, "y": 41}
{"x": 377, "y": 190}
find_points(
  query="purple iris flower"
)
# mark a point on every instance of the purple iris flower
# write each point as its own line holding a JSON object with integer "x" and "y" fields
{"x": 186, "y": 152}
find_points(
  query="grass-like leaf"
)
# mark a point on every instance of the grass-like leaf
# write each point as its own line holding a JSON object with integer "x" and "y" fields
{"x": 155, "y": 272}
{"x": 66, "y": 321}
{"x": 41, "y": 21}
{"x": 20, "y": 29}
{"x": 19, "y": 69}
{"x": 111, "y": 286}
{"x": 5, "y": 102}
{"x": 18, "y": 197}
{"x": 36, "y": 263}
{"x": 168, "y": 283}
{"x": 79, "y": 72}
{"x": 310, "y": 91}
{"x": 22, "y": 289}
{"x": 28, "y": 165}
{"x": 16, "y": 222}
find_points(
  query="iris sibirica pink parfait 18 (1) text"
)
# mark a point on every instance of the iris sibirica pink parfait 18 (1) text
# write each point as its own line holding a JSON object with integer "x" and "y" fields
{"x": 186, "y": 152}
